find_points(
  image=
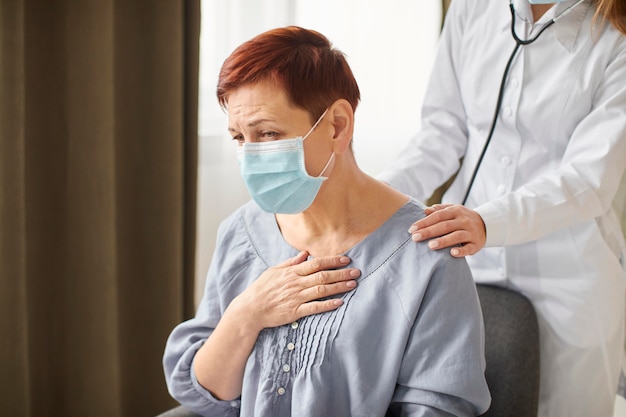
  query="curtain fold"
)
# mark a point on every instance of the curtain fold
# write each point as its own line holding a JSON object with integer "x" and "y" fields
{"x": 14, "y": 367}
{"x": 98, "y": 144}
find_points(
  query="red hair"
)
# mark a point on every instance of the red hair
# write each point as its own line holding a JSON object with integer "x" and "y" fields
{"x": 313, "y": 73}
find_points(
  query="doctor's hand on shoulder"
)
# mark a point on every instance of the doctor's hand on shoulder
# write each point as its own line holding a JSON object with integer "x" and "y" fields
{"x": 451, "y": 226}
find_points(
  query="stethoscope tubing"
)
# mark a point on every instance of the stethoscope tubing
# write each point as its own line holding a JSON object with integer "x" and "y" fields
{"x": 518, "y": 43}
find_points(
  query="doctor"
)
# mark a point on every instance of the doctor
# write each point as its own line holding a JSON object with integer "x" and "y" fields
{"x": 528, "y": 102}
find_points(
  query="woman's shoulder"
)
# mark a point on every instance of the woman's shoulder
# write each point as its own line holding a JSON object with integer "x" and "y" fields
{"x": 417, "y": 254}
{"x": 407, "y": 214}
{"x": 236, "y": 222}
{"x": 242, "y": 226}
{"x": 391, "y": 243}
{"x": 409, "y": 270}
{"x": 251, "y": 232}
{"x": 412, "y": 208}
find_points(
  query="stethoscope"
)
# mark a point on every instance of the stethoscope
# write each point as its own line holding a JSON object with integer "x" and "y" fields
{"x": 518, "y": 43}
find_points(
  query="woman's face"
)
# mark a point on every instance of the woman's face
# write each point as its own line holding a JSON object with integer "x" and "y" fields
{"x": 261, "y": 112}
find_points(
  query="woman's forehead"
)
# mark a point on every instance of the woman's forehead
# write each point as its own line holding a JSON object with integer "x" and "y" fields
{"x": 260, "y": 98}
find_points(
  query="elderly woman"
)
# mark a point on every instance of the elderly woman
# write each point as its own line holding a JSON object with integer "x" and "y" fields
{"x": 315, "y": 303}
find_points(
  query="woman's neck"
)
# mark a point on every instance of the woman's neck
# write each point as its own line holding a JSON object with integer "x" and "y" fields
{"x": 339, "y": 219}
{"x": 540, "y": 9}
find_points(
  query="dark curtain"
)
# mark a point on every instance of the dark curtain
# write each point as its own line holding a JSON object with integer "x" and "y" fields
{"x": 98, "y": 144}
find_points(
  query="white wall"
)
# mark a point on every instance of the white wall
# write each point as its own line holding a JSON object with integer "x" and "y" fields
{"x": 390, "y": 46}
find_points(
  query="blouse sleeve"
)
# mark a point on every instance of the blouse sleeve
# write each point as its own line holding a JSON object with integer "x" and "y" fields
{"x": 442, "y": 370}
{"x": 184, "y": 342}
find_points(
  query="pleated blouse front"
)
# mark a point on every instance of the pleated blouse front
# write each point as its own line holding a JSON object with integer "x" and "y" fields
{"x": 409, "y": 338}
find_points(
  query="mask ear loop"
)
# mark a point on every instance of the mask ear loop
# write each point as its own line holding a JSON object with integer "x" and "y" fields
{"x": 332, "y": 156}
{"x": 315, "y": 125}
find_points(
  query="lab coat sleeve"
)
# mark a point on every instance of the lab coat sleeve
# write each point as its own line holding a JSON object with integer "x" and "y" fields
{"x": 585, "y": 183}
{"x": 432, "y": 156}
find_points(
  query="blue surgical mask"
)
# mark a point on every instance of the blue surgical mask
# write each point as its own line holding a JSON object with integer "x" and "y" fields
{"x": 275, "y": 174}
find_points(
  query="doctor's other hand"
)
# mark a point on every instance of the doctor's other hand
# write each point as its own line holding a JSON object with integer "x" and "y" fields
{"x": 296, "y": 288}
{"x": 451, "y": 226}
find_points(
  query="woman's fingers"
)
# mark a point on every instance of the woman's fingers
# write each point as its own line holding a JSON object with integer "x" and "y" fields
{"x": 317, "y": 307}
{"x": 451, "y": 226}
{"x": 436, "y": 207}
{"x": 329, "y": 283}
{"x": 435, "y": 214}
{"x": 320, "y": 264}
{"x": 465, "y": 250}
{"x": 324, "y": 276}
{"x": 296, "y": 287}
{"x": 298, "y": 259}
{"x": 332, "y": 276}
{"x": 461, "y": 244}
{"x": 326, "y": 284}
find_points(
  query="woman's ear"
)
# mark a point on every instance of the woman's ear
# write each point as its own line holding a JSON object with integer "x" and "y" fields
{"x": 342, "y": 119}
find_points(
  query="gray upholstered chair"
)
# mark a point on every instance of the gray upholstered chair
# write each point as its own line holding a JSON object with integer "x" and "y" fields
{"x": 511, "y": 352}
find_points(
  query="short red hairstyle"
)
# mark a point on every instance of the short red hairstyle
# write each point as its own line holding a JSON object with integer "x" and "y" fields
{"x": 302, "y": 61}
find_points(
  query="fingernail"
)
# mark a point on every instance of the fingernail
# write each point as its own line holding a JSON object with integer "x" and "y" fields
{"x": 337, "y": 302}
{"x": 454, "y": 252}
{"x": 412, "y": 229}
{"x": 433, "y": 244}
{"x": 351, "y": 284}
{"x": 416, "y": 237}
{"x": 355, "y": 273}
{"x": 344, "y": 260}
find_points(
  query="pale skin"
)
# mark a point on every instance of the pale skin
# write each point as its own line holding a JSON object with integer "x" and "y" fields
{"x": 452, "y": 225}
{"x": 348, "y": 207}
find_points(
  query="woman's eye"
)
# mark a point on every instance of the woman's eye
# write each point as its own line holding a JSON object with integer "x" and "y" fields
{"x": 239, "y": 138}
{"x": 269, "y": 135}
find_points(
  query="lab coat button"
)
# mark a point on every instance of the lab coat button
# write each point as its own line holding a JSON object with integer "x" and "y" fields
{"x": 505, "y": 160}
{"x": 501, "y": 189}
{"x": 507, "y": 111}
{"x": 514, "y": 83}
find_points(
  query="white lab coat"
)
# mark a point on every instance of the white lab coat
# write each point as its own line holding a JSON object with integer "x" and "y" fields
{"x": 547, "y": 185}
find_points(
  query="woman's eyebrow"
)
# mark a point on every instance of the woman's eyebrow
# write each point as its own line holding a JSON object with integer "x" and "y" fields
{"x": 257, "y": 122}
{"x": 253, "y": 123}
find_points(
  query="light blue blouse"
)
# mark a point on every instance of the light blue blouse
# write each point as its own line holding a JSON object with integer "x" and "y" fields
{"x": 409, "y": 338}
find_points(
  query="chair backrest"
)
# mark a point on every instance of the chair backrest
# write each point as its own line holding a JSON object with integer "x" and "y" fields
{"x": 511, "y": 352}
